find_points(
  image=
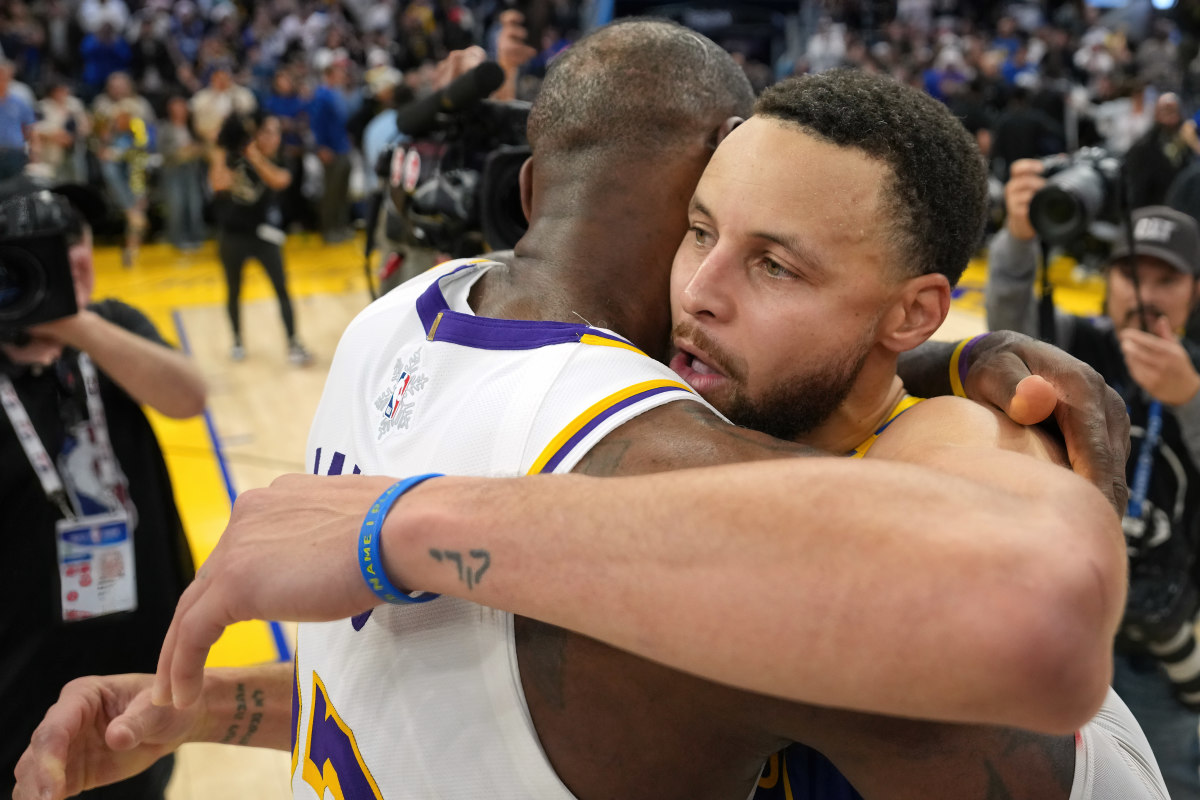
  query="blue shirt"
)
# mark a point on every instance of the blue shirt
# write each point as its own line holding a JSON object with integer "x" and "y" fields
{"x": 379, "y": 133}
{"x": 327, "y": 116}
{"x": 15, "y": 114}
{"x": 285, "y": 107}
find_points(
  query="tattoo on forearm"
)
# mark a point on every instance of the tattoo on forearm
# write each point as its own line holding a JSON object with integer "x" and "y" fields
{"x": 468, "y": 573}
{"x": 258, "y": 698}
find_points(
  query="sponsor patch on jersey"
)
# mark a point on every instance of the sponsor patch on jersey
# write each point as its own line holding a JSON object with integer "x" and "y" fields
{"x": 397, "y": 401}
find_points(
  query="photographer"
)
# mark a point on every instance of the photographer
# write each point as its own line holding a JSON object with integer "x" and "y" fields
{"x": 80, "y": 460}
{"x": 1155, "y": 372}
{"x": 246, "y": 182}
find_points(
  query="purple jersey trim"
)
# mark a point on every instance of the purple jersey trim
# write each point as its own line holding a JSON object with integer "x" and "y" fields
{"x": 489, "y": 333}
{"x": 569, "y": 444}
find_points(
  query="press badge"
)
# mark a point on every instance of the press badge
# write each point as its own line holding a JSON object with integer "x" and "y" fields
{"x": 95, "y": 566}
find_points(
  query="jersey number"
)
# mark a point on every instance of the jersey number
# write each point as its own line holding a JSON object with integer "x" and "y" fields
{"x": 331, "y": 759}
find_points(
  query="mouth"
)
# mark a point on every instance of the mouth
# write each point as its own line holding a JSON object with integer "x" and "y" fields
{"x": 696, "y": 368}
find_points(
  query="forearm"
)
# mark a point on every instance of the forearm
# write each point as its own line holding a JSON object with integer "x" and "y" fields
{"x": 248, "y": 706}
{"x": 150, "y": 373}
{"x": 1012, "y": 266}
{"x": 275, "y": 177}
{"x": 768, "y": 560}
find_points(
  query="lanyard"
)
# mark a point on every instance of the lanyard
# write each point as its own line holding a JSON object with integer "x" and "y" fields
{"x": 1145, "y": 461}
{"x": 35, "y": 451}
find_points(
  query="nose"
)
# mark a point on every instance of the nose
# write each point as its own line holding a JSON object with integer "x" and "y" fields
{"x": 707, "y": 291}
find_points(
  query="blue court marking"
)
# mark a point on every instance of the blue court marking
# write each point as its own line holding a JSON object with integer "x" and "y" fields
{"x": 281, "y": 643}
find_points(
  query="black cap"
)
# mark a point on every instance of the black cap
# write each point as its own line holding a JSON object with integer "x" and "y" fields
{"x": 1163, "y": 233}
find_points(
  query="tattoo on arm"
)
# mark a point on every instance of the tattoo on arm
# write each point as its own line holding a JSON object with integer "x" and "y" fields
{"x": 468, "y": 573}
{"x": 258, "y": 697}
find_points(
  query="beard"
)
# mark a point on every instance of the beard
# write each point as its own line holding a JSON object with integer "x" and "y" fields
{"x": 798, "y": 405}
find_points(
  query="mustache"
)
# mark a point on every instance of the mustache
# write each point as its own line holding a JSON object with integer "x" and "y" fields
{"x": 730, "y": 365}
{"x": 1152, "y": 313}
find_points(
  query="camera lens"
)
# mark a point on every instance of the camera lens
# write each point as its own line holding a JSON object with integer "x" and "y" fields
{"x": 22, "y": 284}
{"x": 1068, "y": 204}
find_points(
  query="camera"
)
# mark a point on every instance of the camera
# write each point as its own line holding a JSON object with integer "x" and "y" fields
{"x": 1081, "y": 189}
{"x": 35, "y": 265}
{"x": 457, "y": 189}
{"x": 454, "y": 184}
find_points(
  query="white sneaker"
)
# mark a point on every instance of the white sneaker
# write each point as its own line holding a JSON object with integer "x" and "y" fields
{"x": 299, "y": 355}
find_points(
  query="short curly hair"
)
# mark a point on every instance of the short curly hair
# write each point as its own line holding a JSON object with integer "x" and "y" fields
{"x": 936, "y": 196}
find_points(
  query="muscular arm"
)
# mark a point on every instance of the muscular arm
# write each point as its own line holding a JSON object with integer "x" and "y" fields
{"x": 1023, "y": 580}
{"x": 896, "y": 758}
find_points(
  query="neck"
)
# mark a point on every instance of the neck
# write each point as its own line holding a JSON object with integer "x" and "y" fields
{"x": 598, "y": 252}
{"x": 875, "y": 393}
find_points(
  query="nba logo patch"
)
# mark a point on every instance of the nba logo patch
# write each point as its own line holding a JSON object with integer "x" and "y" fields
{"x": 396, "y": 400}
{"x": 393, "y": 405}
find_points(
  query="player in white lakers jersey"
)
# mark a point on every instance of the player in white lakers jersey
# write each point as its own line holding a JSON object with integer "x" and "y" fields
{"x": 411, "y": 701}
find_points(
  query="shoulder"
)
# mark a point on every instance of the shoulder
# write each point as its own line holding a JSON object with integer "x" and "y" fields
{"x": 956, "y": 422}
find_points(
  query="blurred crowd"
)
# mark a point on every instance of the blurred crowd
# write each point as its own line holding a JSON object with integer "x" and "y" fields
{"x": 131, "y": 94}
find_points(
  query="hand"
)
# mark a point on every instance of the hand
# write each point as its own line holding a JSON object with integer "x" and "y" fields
{"x": 288, "y": 553}
{"x": 457, "y": 63}
{"x": 1159, "y": 364}
{"x": 513, "y": 50}
{"x": 1091, "y": 416}
{"x": 101, "y": 730}
{"x": 1025, "y": 179}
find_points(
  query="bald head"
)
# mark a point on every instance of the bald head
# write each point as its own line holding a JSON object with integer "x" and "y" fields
{"x": 636, "y": 87}
{"x": 1166, "y": 111}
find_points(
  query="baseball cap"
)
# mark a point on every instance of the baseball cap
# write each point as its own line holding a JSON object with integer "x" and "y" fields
{"x": 1163, "y": 233}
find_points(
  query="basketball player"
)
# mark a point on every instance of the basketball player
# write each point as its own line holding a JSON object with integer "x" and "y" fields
{"x": 669, "y": 733}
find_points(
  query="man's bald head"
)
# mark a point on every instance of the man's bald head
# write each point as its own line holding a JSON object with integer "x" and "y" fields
{"x": 636, "y": 87}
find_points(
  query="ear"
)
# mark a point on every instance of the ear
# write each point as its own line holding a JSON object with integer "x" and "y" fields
{"x": 718, "y": 136}
{"x": 919, "y": 310}
{"x": 525, "y": 182}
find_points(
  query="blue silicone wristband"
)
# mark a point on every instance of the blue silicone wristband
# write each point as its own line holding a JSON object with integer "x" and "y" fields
{"x": 370, "y": 562}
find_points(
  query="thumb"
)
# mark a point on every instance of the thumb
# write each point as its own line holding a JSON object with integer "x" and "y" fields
{"x": 1033, "y": 401}
{"x": 130, "y": 728}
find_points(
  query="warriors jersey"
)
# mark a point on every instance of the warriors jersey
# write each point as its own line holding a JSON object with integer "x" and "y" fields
{"x": 425, "y": 701}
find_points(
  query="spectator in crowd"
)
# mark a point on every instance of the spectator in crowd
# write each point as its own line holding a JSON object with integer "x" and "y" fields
{"x": 1023, "y": 132}
{"x": 1124, "y": 120}
{"x": 16, "y": 125}
{"x": 222, "y": 97}
{"x": 124, "y": 142}
{"x": 328, "y": 116}
{"x": 182, "y": 176}
{"x": 246, "y": 183}
{"x": 63, "y": 37}
{"x": 152, "y": 66}
{"x": 284, "y": 102}
{"x": 95, "y": 14}
{"x": 104, "y": 53}
{"x": 61, "y": 131}
{"x": 81, "y": 382}
{"x": 23, "y": 40}
{"x": 1151, "y": 368}
{"x": 1154, "y": 160}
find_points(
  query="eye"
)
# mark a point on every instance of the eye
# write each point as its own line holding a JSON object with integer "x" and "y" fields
{"x": 774, "y": 269}
{"x": 701, "y": 236}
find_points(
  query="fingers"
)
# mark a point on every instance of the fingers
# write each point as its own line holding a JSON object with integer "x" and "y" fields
{"x": 41, "y": 770}
{"x": 1025, "y": 166}
{"x": 194, "y": 630}
{"x": 1088, "y": 432}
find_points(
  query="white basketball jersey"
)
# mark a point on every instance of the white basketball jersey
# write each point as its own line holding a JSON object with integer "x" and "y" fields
{"x": 425, "y": 701}
{"x": 1113, "y": 760}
